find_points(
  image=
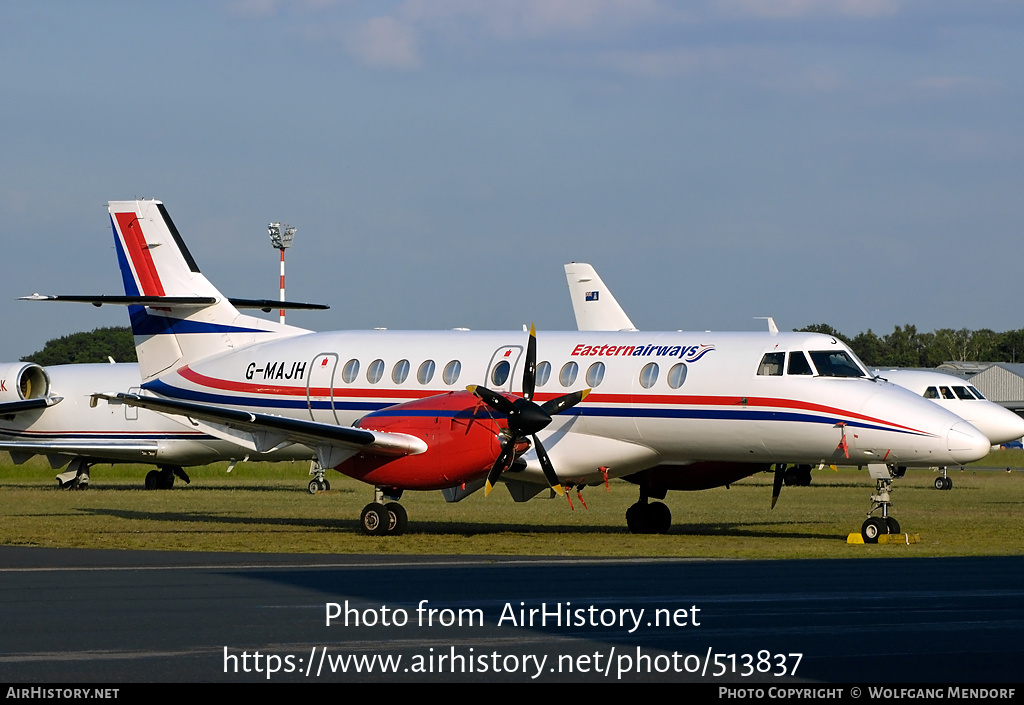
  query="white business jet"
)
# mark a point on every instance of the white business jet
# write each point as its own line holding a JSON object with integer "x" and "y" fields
{"x": 954, "y": 393}
{"x": 391, "y": 408}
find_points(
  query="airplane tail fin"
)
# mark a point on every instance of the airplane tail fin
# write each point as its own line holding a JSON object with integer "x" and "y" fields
{"x": 592, "y": 301}
{"x": 184, "y": 318}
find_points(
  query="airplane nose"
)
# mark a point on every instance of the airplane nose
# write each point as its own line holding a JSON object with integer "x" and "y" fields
{"x": 966, "y": 443}
{"x": 1005, "y": 428}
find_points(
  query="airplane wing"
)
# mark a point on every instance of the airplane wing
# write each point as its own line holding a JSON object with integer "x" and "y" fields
{"x": 263, "y": 432}
{"x": 10, "y": 408}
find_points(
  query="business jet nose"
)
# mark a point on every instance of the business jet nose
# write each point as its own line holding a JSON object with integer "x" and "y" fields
{"x": 1000, "y": 425}
{"x": 966, "y": 443}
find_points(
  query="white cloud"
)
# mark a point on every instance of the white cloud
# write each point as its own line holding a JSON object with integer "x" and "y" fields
{"x": 794, "y": 9}
{"x": 384, "y": 42}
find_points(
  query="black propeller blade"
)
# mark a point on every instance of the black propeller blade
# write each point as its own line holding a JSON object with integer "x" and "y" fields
{"x": 526, "y": 418}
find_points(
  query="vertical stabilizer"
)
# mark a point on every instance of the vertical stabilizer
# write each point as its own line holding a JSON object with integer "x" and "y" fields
{"x": 154, "y": 262}
{"x": 592, "y": 302}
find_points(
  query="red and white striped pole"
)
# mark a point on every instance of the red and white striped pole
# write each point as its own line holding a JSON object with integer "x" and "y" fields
{"x": 282, "y": 283}
{"x": 281, "y": 235}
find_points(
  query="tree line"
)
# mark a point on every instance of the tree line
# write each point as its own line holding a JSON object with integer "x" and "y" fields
{"x": 906, "y": 347}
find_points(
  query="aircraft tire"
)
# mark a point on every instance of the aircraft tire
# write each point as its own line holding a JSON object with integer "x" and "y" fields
{"x": 940, "y": 483}
{"x": 375, "y": 519}
{"x": 324, "y": 485}
{"x": 872, "y": 528}
{"x": 949, "y": 483}
{"x": 892, "y": 525}
{"x": 659, "y": 518}
{"x": 314, "y": 486}
{"x": 636, "y": 518}
{"x": 398, "y": 519}
{"x": 153, "y": 480}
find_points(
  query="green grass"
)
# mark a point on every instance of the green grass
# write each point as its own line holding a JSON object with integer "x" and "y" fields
{"x": 266, "y": 508}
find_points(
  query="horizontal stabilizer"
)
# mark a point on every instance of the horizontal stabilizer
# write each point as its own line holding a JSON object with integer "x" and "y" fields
{"x": 173, "y": 301}
{"x": 17, "y": 407}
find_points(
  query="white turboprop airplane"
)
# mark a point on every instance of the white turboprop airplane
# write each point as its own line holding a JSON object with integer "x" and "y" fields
{"x": 656, "y": 400}
{"x": 49, "y": 411}
{"x": 596, "y": 309}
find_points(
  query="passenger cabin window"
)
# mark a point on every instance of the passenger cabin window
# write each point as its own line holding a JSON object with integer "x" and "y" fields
{"x": 543, "y": 373}
{"x": 595, "y": 374}
{"x": 649, "y": 375}
{"x": 451, "y": 372}
{"x": 798, "y": 364}
{"x": 500, "y": 373}
{"x": 677, "y": 375}
{"x": 835, "y": 363}
{"x": 350, "y": 371}
{"x": 771, "y": 364}
{"x": 375, "y": 371}
{"x": 931, "y": 393}
{"x": 400, "y": 372}
{"x": 426, "y": 372}
{"x": 567, "y": 376}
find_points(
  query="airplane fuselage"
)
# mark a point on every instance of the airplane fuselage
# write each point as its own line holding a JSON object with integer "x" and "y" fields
{"x": 657, "y": 398}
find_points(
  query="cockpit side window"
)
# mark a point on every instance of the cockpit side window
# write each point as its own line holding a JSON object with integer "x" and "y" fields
{"x": 931, "y": 393}
{"x": 963, "y": 393}
{"x": 977, "y": 393}
{"x": 947, "y": 393}
{"x": 771, "y": 364}
{"x": 798, "y": 364}
{"x": 835, "y": 363}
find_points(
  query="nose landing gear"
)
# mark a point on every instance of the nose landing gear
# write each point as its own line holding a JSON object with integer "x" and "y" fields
{"x": 873, "y": 527}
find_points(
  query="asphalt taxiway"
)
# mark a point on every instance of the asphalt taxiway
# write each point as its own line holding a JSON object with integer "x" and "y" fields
{"x": 118, "y": 617}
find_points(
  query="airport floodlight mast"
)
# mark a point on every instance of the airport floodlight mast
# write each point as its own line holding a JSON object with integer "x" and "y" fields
{"x": 281, "y": 236}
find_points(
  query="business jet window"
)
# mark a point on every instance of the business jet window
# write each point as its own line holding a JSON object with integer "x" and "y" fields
{"x": 835, "y": 363}
{"x": 543, "y": 373}
{"x": 947, "y": 393}
{"x": 771, "y": 364}
{"x": 375, "y": 371}
{"x": 977, "y": 393}
{"x": 931, "y": 393}
{"x": 350, "y": 371}
{"x": 649, "y": 375}
{"x": 798, "y": 364}
{"x": 426, "y": 372}
{"x": 451, "y": 372}
{"x": 595, "y": 374}
{"x": 500, "y": 373}
{"x": 963, "y": 393}
{"x": 677, "y": 375}
{"x": 568, "y": 374}
{"x": 400, "y": 372}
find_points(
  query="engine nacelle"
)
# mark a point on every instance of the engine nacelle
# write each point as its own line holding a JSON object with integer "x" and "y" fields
{"x": 462, "y": 437}
{"x": 23, "y": 380}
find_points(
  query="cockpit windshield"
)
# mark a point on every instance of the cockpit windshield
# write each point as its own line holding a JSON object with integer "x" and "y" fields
{"x": 836, "y": 363}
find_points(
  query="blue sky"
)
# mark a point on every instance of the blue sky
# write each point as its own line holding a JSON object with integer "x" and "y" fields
{"x": 856, "y": 162}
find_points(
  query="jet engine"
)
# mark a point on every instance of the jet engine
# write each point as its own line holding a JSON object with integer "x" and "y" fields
{"x": 20, "y": 381}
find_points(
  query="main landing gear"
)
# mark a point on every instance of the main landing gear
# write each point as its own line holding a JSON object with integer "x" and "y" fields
{"x": 318, "y": 483}
{"x": 163, "y": 479}
{"x": 380, "y": 519}
{"x": 873, "y": 527}
{"x": 945, "y": 482}
{"x": 76, "y": 477}
{"x": 647, "y": 517}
